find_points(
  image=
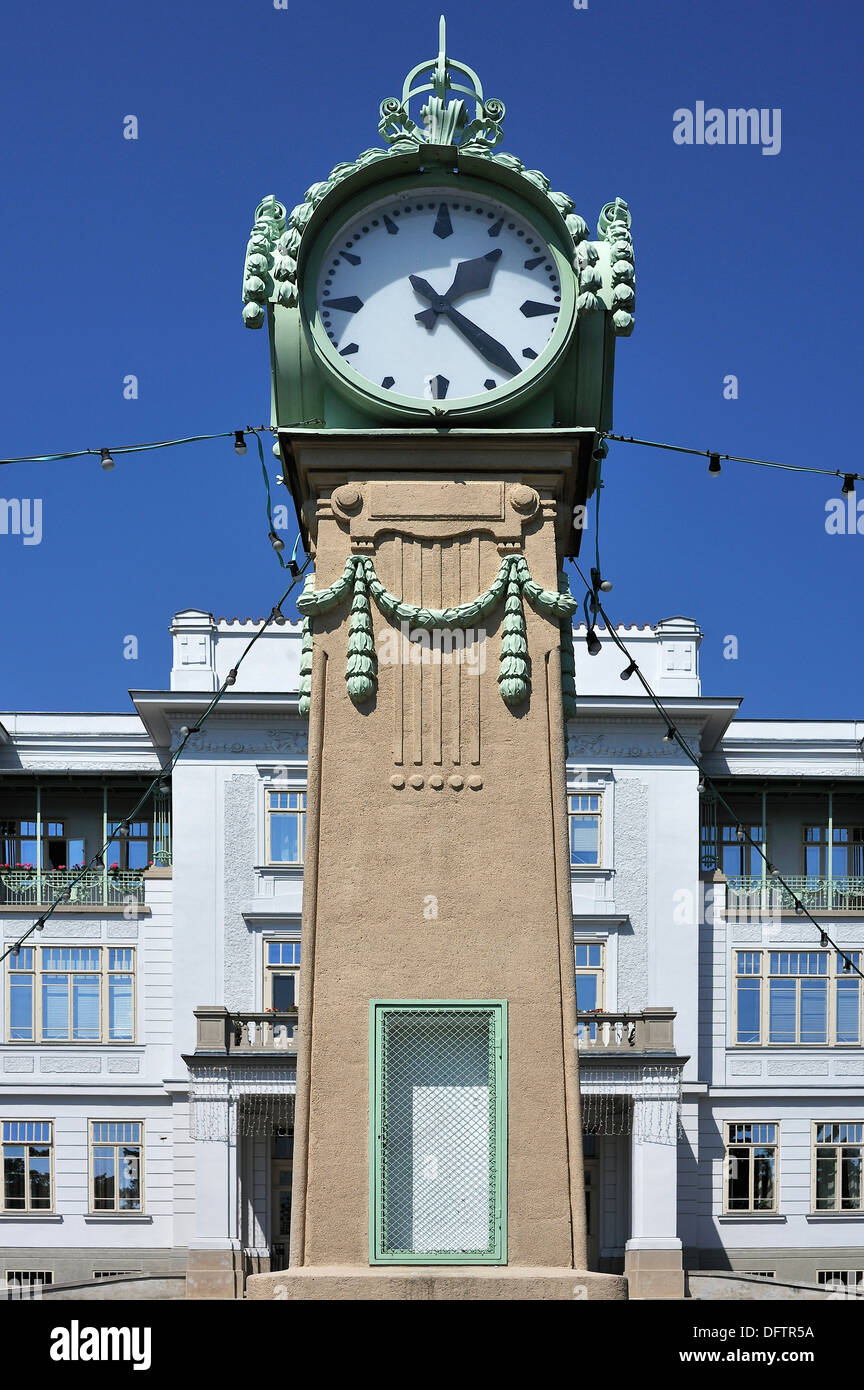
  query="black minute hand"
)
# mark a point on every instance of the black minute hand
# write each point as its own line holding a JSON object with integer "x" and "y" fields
{"x": 493, "y": 351}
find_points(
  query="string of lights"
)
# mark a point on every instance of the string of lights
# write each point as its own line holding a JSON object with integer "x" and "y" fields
{"x": 159, "y": 782}
{"x": 714, "y": 460}
{"x": 674, "y": 735}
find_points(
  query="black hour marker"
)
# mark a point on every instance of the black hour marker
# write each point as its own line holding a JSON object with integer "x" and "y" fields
{"x": 532, "y": 310}
{"x": 349, "y": 350}
{"x": 443, "y": 226}
{"x": 350, "y": 305}
{"x": 495, "y": 229}
{"x": 390, "y": 225}
{"x": 534, "y": 262}
{"x": 439, "y": 385}
{"x": 529, "y": 352}
{"x": 388, "y": 382}
{"x": 349, "y": 256}
{"x": 490, "y": 384}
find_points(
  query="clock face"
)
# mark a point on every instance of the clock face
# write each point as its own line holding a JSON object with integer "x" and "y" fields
{"x": 439, "y": 295}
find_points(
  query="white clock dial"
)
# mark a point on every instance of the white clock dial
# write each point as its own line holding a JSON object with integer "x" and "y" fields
{"x": 439, "y": 294}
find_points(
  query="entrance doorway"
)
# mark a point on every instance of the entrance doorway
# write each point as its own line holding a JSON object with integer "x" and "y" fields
{"x": 592, "y": 1194}
{"x": 281, "y": 1177}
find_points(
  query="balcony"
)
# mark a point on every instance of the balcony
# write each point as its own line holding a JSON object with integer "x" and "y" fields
{"x": 600, "y": 1034}
{"x": 34, "y": 888}
{"x": 241, "y": 1035}
{"x": 746, "y": 895}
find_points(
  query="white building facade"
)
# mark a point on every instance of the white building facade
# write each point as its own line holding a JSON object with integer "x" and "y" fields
{"x": 147, "y": 1052}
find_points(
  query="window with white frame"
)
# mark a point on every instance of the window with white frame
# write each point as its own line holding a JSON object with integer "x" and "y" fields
{"x": 846, "y": 1278}
{"x": 286, "y": 827}
{"x": 28, "y": 1278}
{"x": 838, "y": 1148}
{"x": 797, "y": 998}
{"x": 71, "y": 994}
{"x": 27, "y": 1165}
{"x": 750, "y": 1178}
{"x": 590, "y": 975}
{"x": 585, "y": 821}
{"x": 281, "y": 975}
{"x": 116, "y": 1165}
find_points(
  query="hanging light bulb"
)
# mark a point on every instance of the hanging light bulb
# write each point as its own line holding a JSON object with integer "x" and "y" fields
{"x": 848, "y": 484}
{"x": 824, "y": 939}
{"x": 606, "y": 586}
{"x": 700, "y": 786}
{"x": 231, "y": 676}
{"x": 799, "y": 907}
{"x": 239, "y": 442}
{"x": 714, "y": 466}
{"x": 773, "y": 871}
{"x": 847, "y": 966}
{"x": 39, "y": 924}
{"x": 628, "y": 671}
{"x": 277, "y": 544}
{"x": 107, "y": 461}
{"x": 669, "y": 736}
{"x": 123, "y": 829}
{"x": 595, "y": 646}
{"x": 739, "y": 835}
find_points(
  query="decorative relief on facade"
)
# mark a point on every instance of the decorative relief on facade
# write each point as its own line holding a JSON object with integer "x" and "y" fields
{"x": 806, "y": 1066}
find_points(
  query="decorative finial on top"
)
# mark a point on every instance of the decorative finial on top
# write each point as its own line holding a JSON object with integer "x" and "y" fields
{"x": 443, "y": 122}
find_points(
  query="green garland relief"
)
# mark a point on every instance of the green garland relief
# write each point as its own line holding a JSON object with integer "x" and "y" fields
{"x": 512, "y": 584}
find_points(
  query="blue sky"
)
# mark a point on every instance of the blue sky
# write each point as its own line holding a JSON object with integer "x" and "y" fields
{"x": 121, "y": 257}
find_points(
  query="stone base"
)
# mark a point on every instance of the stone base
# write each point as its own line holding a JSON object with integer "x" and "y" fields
{"x": 439, "y": 1283}
{"x": 214, "y": 1274}
{"x": 654, "y": 1273}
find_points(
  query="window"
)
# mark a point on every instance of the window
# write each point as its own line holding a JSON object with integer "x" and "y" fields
{"x": 131, "y": 851}
{"x": 751, "y": 1168}
{"x": 584, "y": 818}
{"x": 847, "y": 1278}
{"x": 837, "y": 1154}
{"x": 27, "y": 1153}
{"x": 282, "y": 975}
{"x": 22, "y": 844}
{"x": 796, "y": 998}
{"x": 756, "y": 1273}
{"x": 847, "y": 851}
{"x": 114, "y": 1273}
{"x": 722, "y": 849}
{"x": 28, "y": 1278}
{"x": 286, "y": 827}
{"x": 590, "y": 990}
{"x": 71, "y": 994}
{"x": 116, "y": 1154}
{"x": 439, "y": 1132}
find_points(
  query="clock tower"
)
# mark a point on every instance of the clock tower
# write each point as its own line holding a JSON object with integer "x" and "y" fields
{"x": 442, "y": 331}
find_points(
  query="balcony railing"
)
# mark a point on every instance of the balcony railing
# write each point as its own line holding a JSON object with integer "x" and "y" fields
{"x": 32, "y": 888}
{"x": 616, "y": 1034}
{"x": 758, "y": 895}
{"x": 244, "y": 1034}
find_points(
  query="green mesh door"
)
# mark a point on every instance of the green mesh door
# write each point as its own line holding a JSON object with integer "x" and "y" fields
{"x": 438, "y": 1145}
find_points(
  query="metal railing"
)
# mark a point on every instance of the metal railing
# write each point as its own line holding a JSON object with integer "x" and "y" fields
{"x": 652, "y": 1030}
{"x": 220, "y": 1032}
{"x": 751, "y": 894}
{"x": 38, "y": 888}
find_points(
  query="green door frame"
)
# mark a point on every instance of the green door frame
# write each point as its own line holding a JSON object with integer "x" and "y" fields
{"x": 378, "y": 1011}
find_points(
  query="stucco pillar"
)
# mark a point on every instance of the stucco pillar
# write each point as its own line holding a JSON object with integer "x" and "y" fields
{"x": 652, "y": 1260}
{"x": 215, "y": 1263}
{"x": 437, "y": 863}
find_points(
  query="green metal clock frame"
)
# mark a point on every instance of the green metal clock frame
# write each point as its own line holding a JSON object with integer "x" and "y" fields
{"x": 386, "y": 405}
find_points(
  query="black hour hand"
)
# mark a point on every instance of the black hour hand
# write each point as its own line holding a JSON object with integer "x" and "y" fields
{"x": 473, "y": 276}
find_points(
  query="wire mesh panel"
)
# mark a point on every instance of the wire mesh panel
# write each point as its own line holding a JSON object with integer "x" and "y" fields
{"x": 438, "y": 1133}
